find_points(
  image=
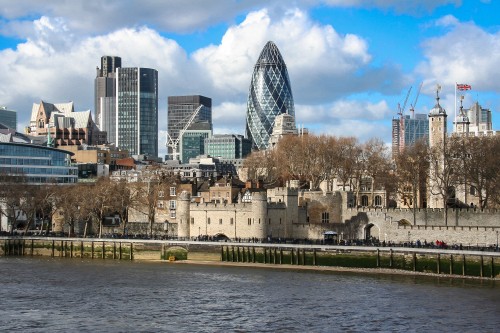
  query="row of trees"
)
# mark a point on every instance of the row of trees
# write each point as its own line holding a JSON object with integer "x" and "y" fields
{"x": 89, "y": 203}
{"x": 468, "y": 162}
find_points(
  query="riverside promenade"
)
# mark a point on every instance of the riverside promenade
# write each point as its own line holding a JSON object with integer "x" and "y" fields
{"x": 410, "y": 260}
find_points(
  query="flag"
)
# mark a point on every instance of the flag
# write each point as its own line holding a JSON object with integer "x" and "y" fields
{"x": 461, "y": 86}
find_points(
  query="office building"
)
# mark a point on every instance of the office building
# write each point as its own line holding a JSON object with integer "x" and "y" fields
{"x": 180, "y": 111}
{"x": 406, "y": 131}
{"x": 480, "y": 119}
{"x": 137, "y": 110}
{"x": 270, "y": 95}
{"x": 105, "y": 86}
{"x": 192, "y": 142}
{"x": 36, "y": 165}
{"x": 8, "y": 117}
{"x": 228, "y": 146}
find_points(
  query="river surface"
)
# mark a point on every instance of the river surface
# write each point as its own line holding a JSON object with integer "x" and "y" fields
{"x": 74, "y": 295}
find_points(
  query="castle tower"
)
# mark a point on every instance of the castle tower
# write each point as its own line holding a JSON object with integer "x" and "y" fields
{"x": 437, "y": 144}
{"x": 462, "y": 121}
{"x": 183, "y": 215}
{"x": 437, "y": 124}
{"x": 259, "y": 209}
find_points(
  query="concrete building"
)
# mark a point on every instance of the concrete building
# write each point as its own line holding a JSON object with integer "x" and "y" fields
{"x": 270, "y": 94}
{"x": 480, "y": 119}
{"x": 180, "y": 109}
{"x": 8, "y": 117}
{"x": 284, "y": 125}
{"x": 137, "y": 110}
{"x": 63, "y": 126}
{"x": 105, "y": 87}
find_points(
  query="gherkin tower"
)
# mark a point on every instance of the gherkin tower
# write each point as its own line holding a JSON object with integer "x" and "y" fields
{"x": 270, "y": 95}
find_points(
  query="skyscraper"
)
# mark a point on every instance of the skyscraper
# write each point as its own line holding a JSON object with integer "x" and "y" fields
{"x": 180, "y": 110}
{"x": 137, "y": 110}
{"x": 270, "y": 94}
{"x": 8, "y": 117}
{"x": 406, "y": 131}
{"x": 105, "y": 86}
{"x": 480, "y": 119}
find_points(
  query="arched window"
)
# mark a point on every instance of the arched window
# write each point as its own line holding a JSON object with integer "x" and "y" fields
{"x": 378, "y": 201}
{"x": 364, "y": 200}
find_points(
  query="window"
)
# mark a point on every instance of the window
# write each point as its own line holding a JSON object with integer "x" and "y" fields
{"x": 364, "y": 200}
{"x": 378, "y": 201}
{"x": 249, "y": 221}
{"x": 208, "y": 220}
{"x": 172, "y": 214}
{"x": 220, "y": 221}
{"x": 160, "y": 204}
{"x": 325, "y": 217}
{"x": 161, "y": 194}
{"x": 472, "y": 190}
{"x": 231, "y": 220}
{"x": 172, "y": 204}
{"x": 192, "y": 220}
{"x": 173, "y": 191}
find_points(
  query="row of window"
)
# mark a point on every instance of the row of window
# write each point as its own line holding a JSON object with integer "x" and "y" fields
{"x": 38, "y": 171}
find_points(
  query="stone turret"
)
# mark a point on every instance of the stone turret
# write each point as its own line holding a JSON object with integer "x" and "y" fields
{"x": 259, "y": 209}
{"x": 183, "y": 215}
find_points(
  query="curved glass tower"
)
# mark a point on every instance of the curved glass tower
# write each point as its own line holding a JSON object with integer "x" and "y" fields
{"x": 270, "y": 95}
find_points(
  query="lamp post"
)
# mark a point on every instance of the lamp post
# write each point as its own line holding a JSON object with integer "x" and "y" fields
{"x": 497, "y": 241}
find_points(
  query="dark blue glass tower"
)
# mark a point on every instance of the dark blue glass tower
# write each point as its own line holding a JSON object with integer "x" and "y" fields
{"x": 270, "y": 95}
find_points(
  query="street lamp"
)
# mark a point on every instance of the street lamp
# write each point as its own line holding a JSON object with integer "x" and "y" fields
{"x": 497, "y": 241}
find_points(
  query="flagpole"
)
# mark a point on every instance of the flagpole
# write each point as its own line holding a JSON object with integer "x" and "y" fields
{"x": 455, "y": 108}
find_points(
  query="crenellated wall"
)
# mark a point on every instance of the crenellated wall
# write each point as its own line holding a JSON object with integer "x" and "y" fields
{"x": 288, "y": 213}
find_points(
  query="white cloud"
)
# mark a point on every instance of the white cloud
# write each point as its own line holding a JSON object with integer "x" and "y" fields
{"x": 465, "y": 54}
{"x": 57, "y": 64}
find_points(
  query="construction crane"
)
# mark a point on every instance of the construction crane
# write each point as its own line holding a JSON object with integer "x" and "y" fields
{"x": 174, "y": 143}
{"x": 401, "y": 110}
{"x": 412, "y": 106}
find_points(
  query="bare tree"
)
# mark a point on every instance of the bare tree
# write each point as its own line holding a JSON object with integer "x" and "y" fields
{"x": 444, "y": 174}
{"x": 412, "y": 168}
{"x": 147, "y": 193}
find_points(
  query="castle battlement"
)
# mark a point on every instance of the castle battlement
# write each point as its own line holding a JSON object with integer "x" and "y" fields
{"x": 420, "y": 210}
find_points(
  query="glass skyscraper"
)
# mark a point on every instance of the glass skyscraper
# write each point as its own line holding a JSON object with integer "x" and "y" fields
{"x": 180, "y": 110}
{"x": 137, "y": 110}
{"x": 8, "y": 117}
{"x": 270, "y": 95}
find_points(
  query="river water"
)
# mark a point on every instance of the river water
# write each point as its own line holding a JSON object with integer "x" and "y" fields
{"x": 73, "y": 295}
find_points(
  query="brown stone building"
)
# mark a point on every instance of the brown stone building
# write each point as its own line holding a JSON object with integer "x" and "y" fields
{"x": 66, "y": 127}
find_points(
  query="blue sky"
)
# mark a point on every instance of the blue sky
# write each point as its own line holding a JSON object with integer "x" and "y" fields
{"x": 350, "y": 61}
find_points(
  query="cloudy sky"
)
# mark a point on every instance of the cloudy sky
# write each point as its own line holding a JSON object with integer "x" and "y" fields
{"x": 350, "y": 61}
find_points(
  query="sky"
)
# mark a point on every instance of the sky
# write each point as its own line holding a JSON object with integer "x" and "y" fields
{"x": 350, "y": 62}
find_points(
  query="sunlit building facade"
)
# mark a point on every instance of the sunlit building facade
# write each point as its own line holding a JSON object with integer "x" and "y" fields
{"x": 270, "y": 95}
{"x": 36, "y": 164}
{"x": 137, "y": 110}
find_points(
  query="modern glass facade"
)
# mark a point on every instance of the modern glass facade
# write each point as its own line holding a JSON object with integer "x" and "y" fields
{"x": 192, "y": 143}
{"x": 270, "y": 94}
{"x": 8, "y": 117}
{"x": 416, "y": 129}
{"x": 406, "y": 131}
{"x": 37, "y": 164}
{"x": 228, "y": 146}
{"x": 137, "y": 111}
{"x": 180, "y": 109}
